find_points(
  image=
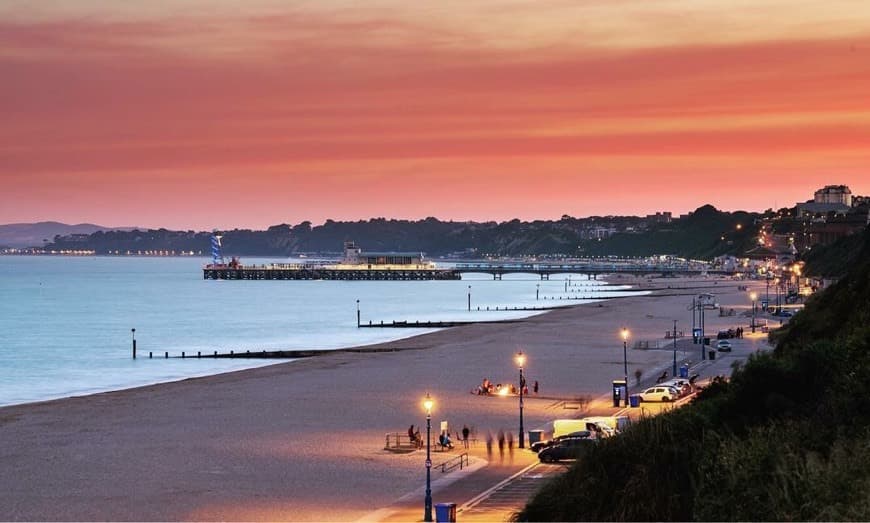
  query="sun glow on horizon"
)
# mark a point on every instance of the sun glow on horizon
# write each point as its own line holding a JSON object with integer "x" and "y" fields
{"x": 260, "y": 114}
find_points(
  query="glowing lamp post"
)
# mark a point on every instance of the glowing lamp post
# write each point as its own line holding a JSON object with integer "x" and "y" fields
{"x": 427, "y": 509}
{"x": 753, "y": 296}
{"x": 521, "y": 360}
{"x": 625, "y": 360}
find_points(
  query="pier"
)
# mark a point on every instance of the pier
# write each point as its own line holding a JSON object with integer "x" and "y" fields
{"x": 591, "y": 268}
{"x": 303, "y": 272}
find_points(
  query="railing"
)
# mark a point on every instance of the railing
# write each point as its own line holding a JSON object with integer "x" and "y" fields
{"x": 581, "y": 267}
{"x": 459, "y": 461}
{"x": 398, "y": 440}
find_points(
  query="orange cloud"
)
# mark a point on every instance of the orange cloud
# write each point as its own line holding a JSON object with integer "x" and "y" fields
{"x": 175, "y": 109}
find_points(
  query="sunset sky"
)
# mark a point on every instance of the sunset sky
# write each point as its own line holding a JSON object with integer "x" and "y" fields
{"x": 220, "y": 113}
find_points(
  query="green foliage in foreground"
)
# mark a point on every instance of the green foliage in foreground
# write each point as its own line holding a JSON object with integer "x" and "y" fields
{"x": 788, "y": 438}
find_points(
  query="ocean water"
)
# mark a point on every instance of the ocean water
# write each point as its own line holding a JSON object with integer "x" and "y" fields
{"x": 65, "y": 322}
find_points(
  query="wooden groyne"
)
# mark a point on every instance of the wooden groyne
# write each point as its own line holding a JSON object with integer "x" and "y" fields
{"x": 268, "y": 354}
{"x": 429, "y": 324}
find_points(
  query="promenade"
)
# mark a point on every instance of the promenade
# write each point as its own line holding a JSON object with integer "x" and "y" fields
{"x": 495, "y": 486}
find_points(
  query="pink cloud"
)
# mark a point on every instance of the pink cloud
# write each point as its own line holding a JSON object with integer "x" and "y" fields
{"x": 295, "y": 97}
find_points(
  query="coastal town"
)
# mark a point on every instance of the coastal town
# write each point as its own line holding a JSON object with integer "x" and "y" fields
{"x": 586, "y": 372}
{"x": 478, "y": 261}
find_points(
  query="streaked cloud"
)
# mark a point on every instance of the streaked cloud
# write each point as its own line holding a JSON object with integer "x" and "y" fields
{"x": 115, "y": 92}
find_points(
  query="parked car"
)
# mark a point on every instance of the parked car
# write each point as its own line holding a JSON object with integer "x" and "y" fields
{"x": 723, "y": 346}
{"x": 724, "y": 335}
{"x": 541, "y": 445}
{"x": 568, "y": 448}
{"x": 681, "y": 385}
{"x": 659, "y": 393}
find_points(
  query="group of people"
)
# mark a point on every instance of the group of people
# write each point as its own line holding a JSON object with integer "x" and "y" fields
{"x": 443, "y": 439}
{"x": 504, "y": 440}
{"x": 487, "y": 387}
{"x": 731, "y": 333}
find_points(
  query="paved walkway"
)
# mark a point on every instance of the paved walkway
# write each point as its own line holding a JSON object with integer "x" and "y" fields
{"x": 495, "y": 487}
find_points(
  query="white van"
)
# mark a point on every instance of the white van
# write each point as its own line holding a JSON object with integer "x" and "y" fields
{"x": 606, "y": 425}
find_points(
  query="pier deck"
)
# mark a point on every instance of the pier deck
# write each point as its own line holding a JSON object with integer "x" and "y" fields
{"x": 316, "y": 273}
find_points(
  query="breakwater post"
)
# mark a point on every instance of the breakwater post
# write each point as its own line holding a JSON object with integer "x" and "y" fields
{"x": 134, "y": 342}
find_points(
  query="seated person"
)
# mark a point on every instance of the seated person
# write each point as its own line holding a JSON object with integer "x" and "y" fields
{"x": 444, "y": 439}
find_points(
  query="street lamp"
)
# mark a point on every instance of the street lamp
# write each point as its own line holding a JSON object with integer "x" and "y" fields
{"x": 521, "y": 360}
{"x": 753, "y": 296}
{"x": 675, "y": 349}
{"x": 537, "y": 291}
{"x": 469, "y": 297}
{"x": 427, "y": 509}
{"x": 625, "y": 360}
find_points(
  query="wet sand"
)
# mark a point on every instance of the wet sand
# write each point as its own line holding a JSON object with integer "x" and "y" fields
{"x": 304, "y": 440}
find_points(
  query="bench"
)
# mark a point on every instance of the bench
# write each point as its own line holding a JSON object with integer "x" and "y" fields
{"x": 441, "y": 448}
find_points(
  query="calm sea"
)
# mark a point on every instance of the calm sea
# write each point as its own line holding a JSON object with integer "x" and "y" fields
{"x": 65, "y": 322}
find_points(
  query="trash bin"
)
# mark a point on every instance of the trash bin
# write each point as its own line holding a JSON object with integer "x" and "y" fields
{"x": 712, "y": 355}
{"x": 535, "y": 436}
{"x": 706, "y": 341}
{"x": 634, "y": 400}
{"x": 445, "y": 512}
{"x": 684, "y": 371}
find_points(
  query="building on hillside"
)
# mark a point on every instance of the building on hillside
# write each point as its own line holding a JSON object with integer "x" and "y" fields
{"x": 829, "y": 231}
{"x": 830, "y": 198}
{"x": 659, "y": 217}
{"x": 860, "y": 201}
{"x": 834, "y": 194}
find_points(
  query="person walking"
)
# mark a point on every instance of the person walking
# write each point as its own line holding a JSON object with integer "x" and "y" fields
{"x": 535, "y": 388}
{"x": 489, "y": 445}
{"x": 465, "y": 433}
{"x": 501, "y": 445}
{"x": 510, "y": 442}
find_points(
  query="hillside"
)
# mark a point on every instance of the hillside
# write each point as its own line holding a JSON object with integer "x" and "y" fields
{"x": 834, "y": 260}
{"x": 705, "y": 233}
{"x": 38, "y": 234}
{"x": 787, "y": 438}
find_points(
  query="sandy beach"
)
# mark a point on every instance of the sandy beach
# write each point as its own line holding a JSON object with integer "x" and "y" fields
{"x": 304, "y": 440}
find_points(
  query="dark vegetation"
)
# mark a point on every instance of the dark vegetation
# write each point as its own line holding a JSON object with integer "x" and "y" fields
{"x": 788, "y": 438}
{"x": 833, "y": 261}
{"x": 704, "y": 234}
